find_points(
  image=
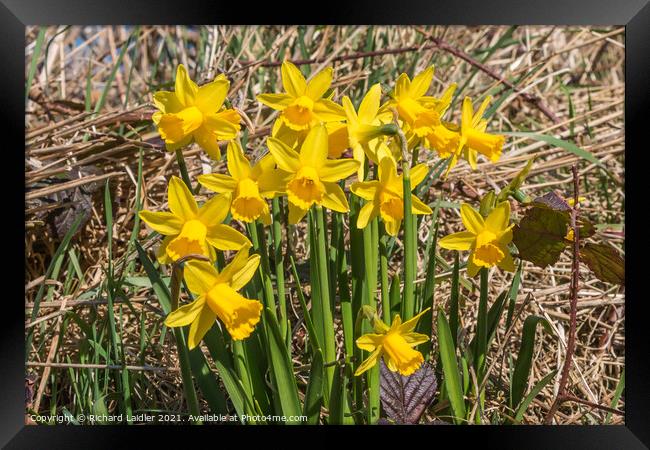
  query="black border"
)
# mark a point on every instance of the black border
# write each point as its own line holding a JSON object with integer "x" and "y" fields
{"x": 634, "y": 14}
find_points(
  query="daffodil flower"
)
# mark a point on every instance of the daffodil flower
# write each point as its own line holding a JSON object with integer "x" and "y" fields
{"x": 395, "y": 343}
{"x": 310, "y": 177}
{"x": 303, "y": 105}
{"x": 473, "y": 137}
{"x": 190, "y": 229}
{"x": 487, "y": 239}
{"x": 386, "y": 196}
{"x": 245, "y": 183}
{"x": 217, "y": 297}
{"x": 419, "y": 111}
{"x": 365, "y": 134}
{"x": 195, "y": 113}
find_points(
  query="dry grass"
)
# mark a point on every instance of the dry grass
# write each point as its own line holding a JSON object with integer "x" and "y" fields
{"x": 71, "y": 151}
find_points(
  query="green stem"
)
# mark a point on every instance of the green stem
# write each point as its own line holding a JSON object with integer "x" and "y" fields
{"x": 259, "y": 245}
{"x": 329, "y": 343}
{"x": 383, "y": 270}
{"x": 183, "y": 169}
{"x": 481, "y": 339}
{"x": 408, "y": 307}
{"x": 181, "y": 344}
{"x": 279, "y": 264}
{"x": 369, "y": 249}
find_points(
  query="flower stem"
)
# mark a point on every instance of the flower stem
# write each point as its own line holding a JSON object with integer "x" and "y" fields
{"x": 183, "y": 169}
{"x": 329, "y": 344}
{"x": 259, "y": 245}
{"x": 408, "y": 307}
{"x": 372, "y": 376}
{"x": 279, "y": 264}
{"x": 383, "y": 270}
{"x": 481, "y": 339}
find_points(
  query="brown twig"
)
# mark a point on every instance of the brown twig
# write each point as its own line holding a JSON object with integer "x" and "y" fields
{"x": 575, "y": 272}
{"x": 358, "y": 55}
{"x": 532, "y": 99}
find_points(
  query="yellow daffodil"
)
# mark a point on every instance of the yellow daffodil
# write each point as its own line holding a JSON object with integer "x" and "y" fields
{"x": 217, "y": 296}
{"x": 473, "y": 137}
{"x": 190, "y": 229}
{"x": 386, "y": 196}
{"x": 303, "y": 105}
{"x": 337, "y": 133}
{"x": 395, "y": 343}
{"x": 365, "y": 135}
{"x": 420, "y": 112}
{"x": 310, "y": 177}
{"x": 193, "y": 112}
{"x": 487, "y": 239}
{"x": 246, "y": 183}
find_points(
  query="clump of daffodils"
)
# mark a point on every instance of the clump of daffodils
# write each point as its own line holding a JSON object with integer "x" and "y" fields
{"x": 323, "y": 153}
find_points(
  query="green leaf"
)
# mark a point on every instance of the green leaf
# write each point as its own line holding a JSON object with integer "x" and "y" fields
{"x": 565, "y": 145}
{"x": 285, "y": 382}
{"x": 532, "y": 394}
{"x": 314, "y": 393}
{"x": 605, "y": 262}
{"x": 525, "y": 358}
{"x": 617, "y": 396}
{"x": 450, "y": 368}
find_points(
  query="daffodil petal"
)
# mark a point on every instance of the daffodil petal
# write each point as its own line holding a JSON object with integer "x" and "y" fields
{"x": 185, "y": 88}
{"x": 415, "y": 339}
{"x": 318, "y": 85}
{"x": 337, "y": 169}
{"x": 402, "y": 85}
{"x": 334, "y": 198}
{"x": 161, "y": 253}
{"x": 186, "y": 314}
{"x": 285, "y": 157}
{"x": 273, "y": 182}
{"x": 417, "y": 207}
{"x": 369, "y": 342}
{"x": 207, "y": 140}
{"x": 200, "y": 327}
{"x": 498, "y": 219}
{"x": 418, "y": 174}
{"x": 180, "y": 199}
{"x": 223, "y": 126}
{"x": 224, "y": 237}
{"x": 410, "y": 324}
{"x": 365, "y": 189}
{"x": 275, "y": 101}
{"x": 295, "y": 213}
{"x": 238, "y": 166}
{"x": 507, "y": 262}
{"x": 313, "y": 152}
{"x": 370, "y": 104}
{"x": 421, "y": 82}
{"x": 217, "y": 182}
{"x": 167, "y": 102}
{"x": 369, "y": 362}
{"x": 458, "y": 241}
{"x": 368, "y": 212}
{"x": 348, "y": 109}
{"x": 472, "y": 267}
{"x": 292, "y": 79}
{"x": 215, "y": 210}
{"x": 472, "y": 220}
{"x": 328, "y": 111}
{"x": 210, "y": 96}
{"x": 200, "y": 276}
{"x": 163, "y": 222}
{"x": 245, "y": 273}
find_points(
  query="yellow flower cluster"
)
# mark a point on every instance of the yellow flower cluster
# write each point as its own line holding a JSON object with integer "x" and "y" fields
{"x": 306, "y": 164}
